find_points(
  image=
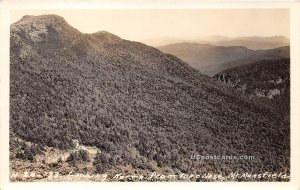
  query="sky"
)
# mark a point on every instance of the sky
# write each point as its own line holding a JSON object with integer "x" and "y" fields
{"x": 140, "y": 25}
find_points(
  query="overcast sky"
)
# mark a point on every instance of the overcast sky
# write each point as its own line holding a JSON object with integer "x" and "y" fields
{"x": 182, "y": 24}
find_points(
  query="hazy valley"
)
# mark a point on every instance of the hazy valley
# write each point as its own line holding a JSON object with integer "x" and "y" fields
{"x": 211, "y": 59}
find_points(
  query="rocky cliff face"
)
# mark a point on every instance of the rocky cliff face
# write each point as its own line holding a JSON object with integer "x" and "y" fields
{"x": 267, "y": 80}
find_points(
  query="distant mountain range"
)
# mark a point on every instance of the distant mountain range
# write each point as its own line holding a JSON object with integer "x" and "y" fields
{"x": 166, "y": 41}
{"x": 211, "y": 59}
{"x": 144, "y": 110}
{"x": 252, "y": 42}
{"x": 256, "y": 43}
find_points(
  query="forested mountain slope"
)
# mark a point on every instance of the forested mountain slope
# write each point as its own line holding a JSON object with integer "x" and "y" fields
{"x": 139, "y": 106}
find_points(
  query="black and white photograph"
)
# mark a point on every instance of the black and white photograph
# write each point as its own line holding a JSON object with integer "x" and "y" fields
{"x": 150, "y": 95}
